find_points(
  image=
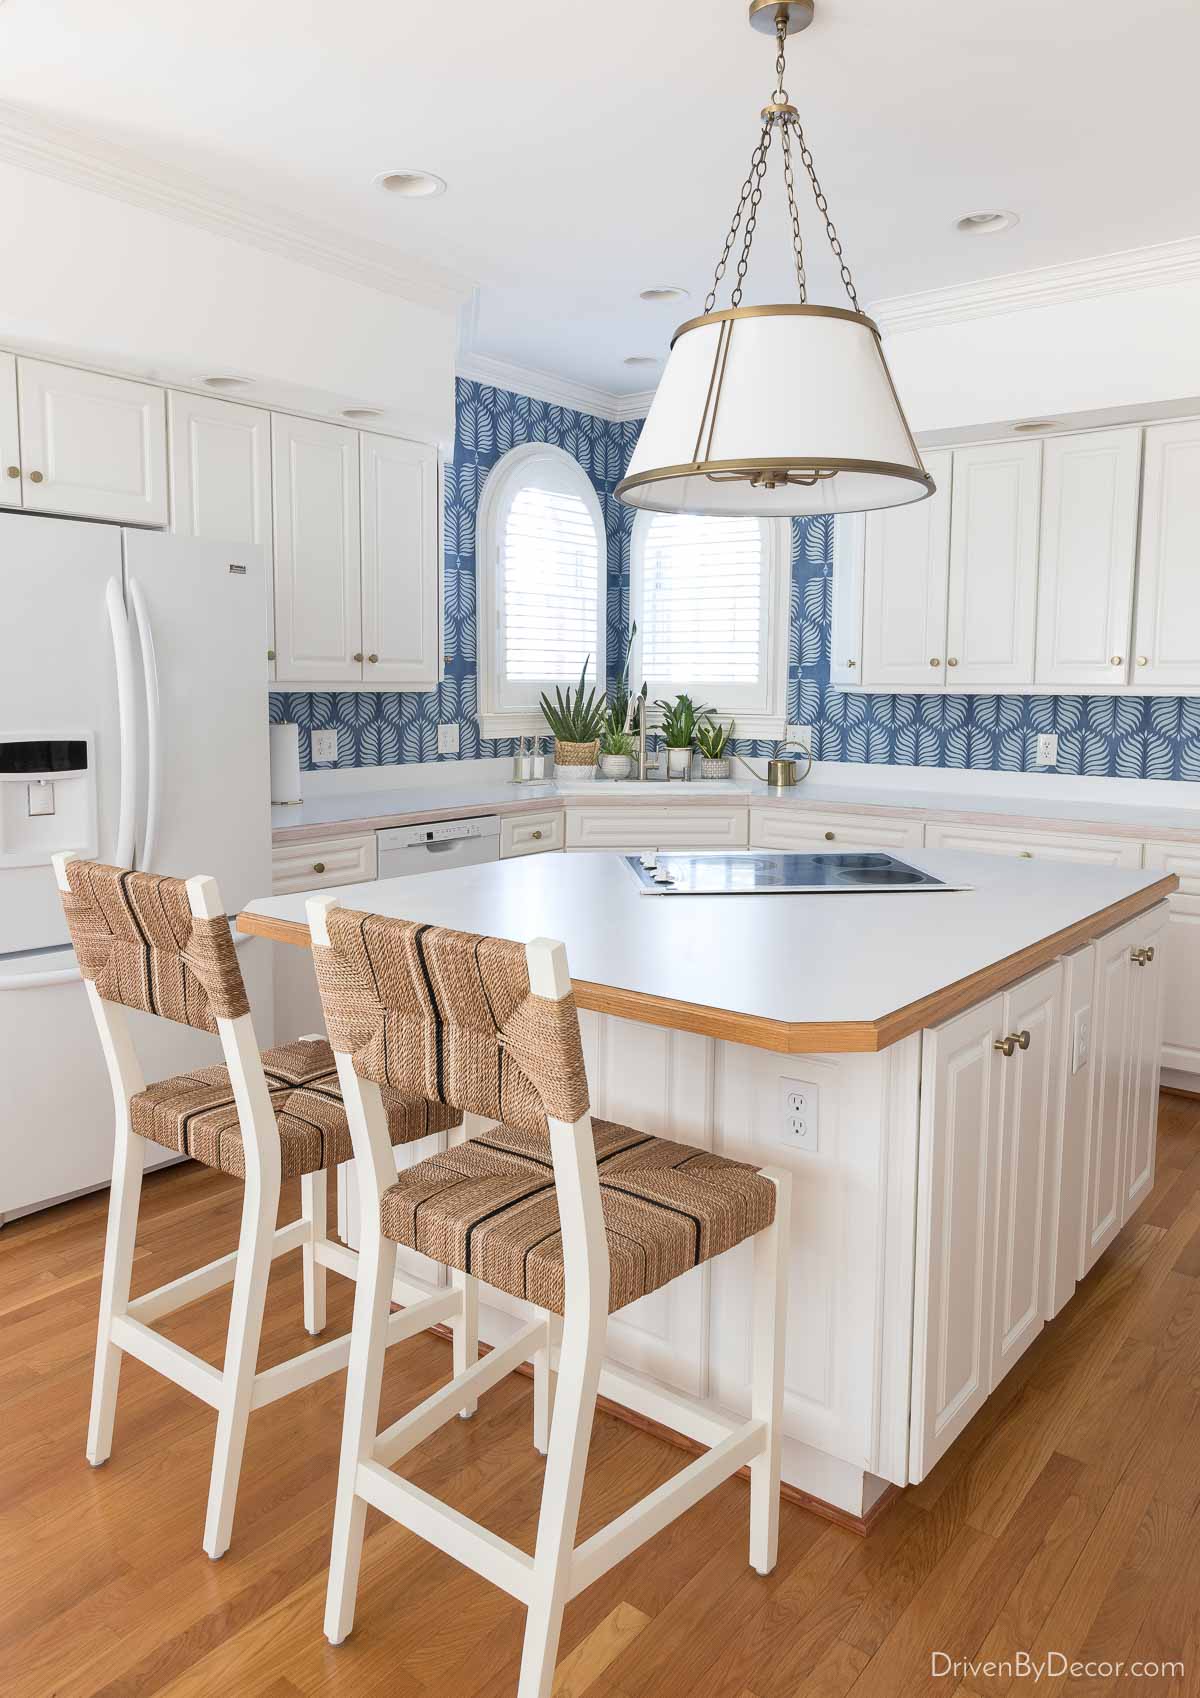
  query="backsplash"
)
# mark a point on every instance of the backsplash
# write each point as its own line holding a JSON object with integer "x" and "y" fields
{"x": 1100, "y": 736}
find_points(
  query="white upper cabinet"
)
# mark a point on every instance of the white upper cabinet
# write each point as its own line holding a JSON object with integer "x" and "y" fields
{"x": 904, "y": 602}
{"x": 1087, "y": 557}
{"x": 1167, "y": 630}
{"x": 846, "y": 613}
{"x": 401, "y": 602}
{"x": 221, "y": 477}
{"x": 318, "y": 567}
{"x": 10, "y": 456}
{"x": 994, "y": 565}
{"x": 92, "y": 445}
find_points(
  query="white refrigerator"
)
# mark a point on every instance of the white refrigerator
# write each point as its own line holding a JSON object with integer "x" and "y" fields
{"x": 133, "y": 728}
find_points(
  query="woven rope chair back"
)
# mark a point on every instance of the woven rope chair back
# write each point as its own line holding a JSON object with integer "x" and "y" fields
{"x": 449, "y": 1016}
{"x": 139, "y": 943}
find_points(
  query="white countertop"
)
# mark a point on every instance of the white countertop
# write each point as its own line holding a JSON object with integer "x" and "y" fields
{"x": 799, "y": 959}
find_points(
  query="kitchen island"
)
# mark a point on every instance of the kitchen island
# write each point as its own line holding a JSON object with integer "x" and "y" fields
{"x": 963, "y": 1082}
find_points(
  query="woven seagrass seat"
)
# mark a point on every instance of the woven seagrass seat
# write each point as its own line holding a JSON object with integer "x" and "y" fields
{"x": 196, "y": 1114}
{"x": 489, "y": 1208}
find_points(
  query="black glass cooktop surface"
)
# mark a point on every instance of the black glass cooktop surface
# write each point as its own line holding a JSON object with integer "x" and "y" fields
{"x": 768, "y": 872}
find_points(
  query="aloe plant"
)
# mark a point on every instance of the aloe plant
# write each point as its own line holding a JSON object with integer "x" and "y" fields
{"x": 681, "y": 721}
{"x": 712, "y": 738}
{"x": 575, "y": 719}
{"x": 615, "y": 742}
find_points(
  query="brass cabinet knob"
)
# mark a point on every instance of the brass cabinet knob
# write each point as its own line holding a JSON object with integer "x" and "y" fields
{"x": 829, "y": 836}
{"x": 36, "y": 477}
{"x": 935, "y": 661}
{"x": 1116, "y": 660}
{"x": 13, "y": 471}
{"x": 1143, "y": 660}
{"x": 1022, "y": 1039}
{"x": 359, "y": 655}
{"x": 1006, "y": 1046}
{"x": 1149, "y": 954}
{"x": 953, "y": 661}
{"x": 851, "y": 664}
{"x": 372, "y": 658}
{"x": 537, "y": 836}
{"x": 1027, "y": 854}
{"x": 270, "y": 654}
{"x": 1138, "y": 957}
{"x": 318, "y": 866}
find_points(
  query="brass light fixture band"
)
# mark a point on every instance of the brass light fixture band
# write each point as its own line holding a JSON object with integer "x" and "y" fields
{"x": 747, "y": 468}
{"x": 784, "y": 309}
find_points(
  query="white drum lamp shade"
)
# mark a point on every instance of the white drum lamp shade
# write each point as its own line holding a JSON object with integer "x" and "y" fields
{"x": 775, "y": 411}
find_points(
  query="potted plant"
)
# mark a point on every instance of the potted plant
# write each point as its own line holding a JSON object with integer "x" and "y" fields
{"x": 680, "y": 721}
{"x": 616, "y": 753}
{"x": 713, "y": 739}
{"x": 576, "y": 722}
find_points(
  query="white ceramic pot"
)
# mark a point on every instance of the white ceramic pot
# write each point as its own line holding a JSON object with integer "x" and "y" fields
{"x": 678, "y": 762}
{"x": 718, "y": 767}
{"x": 616, "y": 766}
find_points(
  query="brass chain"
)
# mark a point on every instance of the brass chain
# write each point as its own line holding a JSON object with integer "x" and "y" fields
{"x": 758, "y": 172}
{"x": 747, "y": 189}
{"x": 823, "y": 209}
{"x": 789, "y": 180}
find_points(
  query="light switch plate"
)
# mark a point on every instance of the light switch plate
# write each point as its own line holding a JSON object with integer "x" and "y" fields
{"x": 1047, "y": 749}
{"x": 447, "y": 739}
{"x": 324, "y": 744}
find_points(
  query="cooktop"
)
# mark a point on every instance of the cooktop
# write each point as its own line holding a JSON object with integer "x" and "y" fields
{"x": 768, "y": 872}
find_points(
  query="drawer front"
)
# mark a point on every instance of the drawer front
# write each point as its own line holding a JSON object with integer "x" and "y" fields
{"x": 637, "y": 828}
{"x": 771, "y": 828}
{"x": 1036, "y": 845}
{"x": 321, "y": 862}
{"x": 531, "y": 834}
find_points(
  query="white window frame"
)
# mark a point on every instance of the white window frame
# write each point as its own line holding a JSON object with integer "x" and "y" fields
{"x": 511, "y": 472}
{"x": 771, "y": 719}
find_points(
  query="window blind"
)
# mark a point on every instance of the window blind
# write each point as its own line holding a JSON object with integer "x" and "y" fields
{"x": 551, "y": 569}
{"x": 702, "y": 602}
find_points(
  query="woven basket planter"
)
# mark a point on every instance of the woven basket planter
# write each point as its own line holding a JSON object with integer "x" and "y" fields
{"x": 721, "y": 767}
{"x": 579, "y": 757}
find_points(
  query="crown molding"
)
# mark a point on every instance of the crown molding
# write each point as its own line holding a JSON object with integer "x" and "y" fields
{"x": 558, "y": 391}
{"x": 75, "y": 157}
{"x": 1022, "y": 291}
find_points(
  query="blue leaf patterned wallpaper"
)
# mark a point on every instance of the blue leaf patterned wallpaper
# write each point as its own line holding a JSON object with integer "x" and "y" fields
{"x": 1129, "y": 737}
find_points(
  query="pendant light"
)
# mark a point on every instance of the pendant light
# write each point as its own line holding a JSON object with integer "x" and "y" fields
{"x": 776, "y": 411}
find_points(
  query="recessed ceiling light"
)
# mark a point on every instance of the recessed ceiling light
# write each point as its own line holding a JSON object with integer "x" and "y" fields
{"x": 642, "y": 360}
{"x": 663, "y": 292}
{"x": 362, "y": 412}
{"x": 986, "y": 223}
{"x": 1035, "y": 424}
{"x": 225, "y": 382}
{"x": 411, "y": 185}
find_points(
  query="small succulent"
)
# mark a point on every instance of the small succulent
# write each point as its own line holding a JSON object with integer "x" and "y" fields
{"x": 615, "y": 742}
{"x": 712, "y": 738}
{"x": 575, "y": 719}
{"x": 681, "y": 721}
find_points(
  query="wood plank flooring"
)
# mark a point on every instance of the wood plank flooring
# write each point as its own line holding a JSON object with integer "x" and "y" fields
{"x": 1065, "y": 1521}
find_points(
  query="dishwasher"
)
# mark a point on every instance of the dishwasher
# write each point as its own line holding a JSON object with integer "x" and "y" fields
{"x": 438, "y": 844}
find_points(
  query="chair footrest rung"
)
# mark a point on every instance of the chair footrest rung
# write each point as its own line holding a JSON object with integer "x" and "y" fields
{"x": 415, "y": 1427}
{"x": 191, "y": 1372}
{"x": 457, "y": 1535}
{"x": 165, "y": 1299}
{"x": 313, "y": 1365}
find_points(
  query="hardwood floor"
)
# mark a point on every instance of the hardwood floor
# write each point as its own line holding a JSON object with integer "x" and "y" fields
{"x": 1065, "y": 1520}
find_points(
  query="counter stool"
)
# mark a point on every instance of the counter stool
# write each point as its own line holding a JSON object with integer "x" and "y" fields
{"x": 575, "y": 1215}
{"x": 164, "y": 947}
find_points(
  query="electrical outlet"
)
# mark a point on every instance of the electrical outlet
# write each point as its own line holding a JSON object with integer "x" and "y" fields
{"x": 447, "y": 739}
{"x": 1047, "y": 749}
{"x": 800, "y": 1118}
{"x": 800, "y": 737}
{"x": 1081, "y": 1039}
{"x": 324, "y": 745}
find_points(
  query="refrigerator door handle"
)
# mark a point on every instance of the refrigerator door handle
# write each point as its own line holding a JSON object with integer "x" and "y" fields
{"x": 39, "y": 981}
{"x": 123, "y": 661}
{"x": 141, "y": 614}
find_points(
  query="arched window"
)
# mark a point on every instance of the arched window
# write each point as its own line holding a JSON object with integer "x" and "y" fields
{"x": 541, "y": 560}
{"x": 710, "y": 598}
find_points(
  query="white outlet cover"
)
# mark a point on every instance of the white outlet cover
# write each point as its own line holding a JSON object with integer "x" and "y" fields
{"x": 324, "y": 745}
{"x": 1047, "y": 749}
{"x": 800, "y": 737}
{"x": 799, "y": 1114}
{"x": 447, "y": 739}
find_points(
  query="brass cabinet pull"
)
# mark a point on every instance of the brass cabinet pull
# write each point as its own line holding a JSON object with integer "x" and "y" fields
{"x": 372, "y": 658}
{"x": 1143, "y": 660}
{"x": 1139, "y": 957}
{"x": 1006, "y": 1046}
{"x": 36, "y": 477}
{"x": 14, "y": 471}
{"x": 270, "y": 654}
{"x": 537, "y": 836}
{"x": 935, "y": 661}
{"x": 1149, "y": 954}
{"x": 318, "y": 866}
{"x": 953, "y": 661}
{"x": 360, "y": 655}
{"x": 851, "y": 664}
{"x": 829, "y": 836}
{"x": 1116, "y": 660}
{"x": 1026, "y": 855}
{"x": 1023, "y": 1039}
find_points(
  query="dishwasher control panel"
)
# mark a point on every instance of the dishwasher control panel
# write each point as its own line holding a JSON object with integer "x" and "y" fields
{"x": 439, "y": 831}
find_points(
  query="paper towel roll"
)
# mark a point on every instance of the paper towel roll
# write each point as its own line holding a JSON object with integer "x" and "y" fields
{"x": 285, "y": 763}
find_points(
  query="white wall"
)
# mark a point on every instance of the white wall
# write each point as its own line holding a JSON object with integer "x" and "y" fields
{"x": 1135, "y": 348}
{"x": 91, "y": 277}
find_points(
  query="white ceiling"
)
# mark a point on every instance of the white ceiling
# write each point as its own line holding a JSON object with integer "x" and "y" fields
{"x": 593, "y": 150}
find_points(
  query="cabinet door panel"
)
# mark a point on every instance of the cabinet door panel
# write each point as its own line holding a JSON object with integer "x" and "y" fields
{"x": 1167, "y": 643}
{"x": 631, "y": 828}
{"x": 1145, "y": 1053}
{"x": 92, "y": 445}
{"x": 10, "y": 453}
{"x": 401, "y": 602}
{"x": 956, "y": 1221}
{"x": 1104, "y": 1195}
{"x": 904, "y": 607}
{"x": 1088, "y": 540}
{"x": 993, "y": 564}
{"x": 1181, "y": 951}
{"x": 846, "y": 623}
{"x": 221, "y": 478}
{"x": 318, "y": 578}
{"x": 1031, "y": 1081}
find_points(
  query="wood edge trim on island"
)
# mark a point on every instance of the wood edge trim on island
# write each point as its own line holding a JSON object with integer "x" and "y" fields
{"x": 820, "y": 1037}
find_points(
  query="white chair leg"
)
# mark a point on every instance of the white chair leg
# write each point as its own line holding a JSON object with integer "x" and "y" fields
{"x": 255, "y": 1242}
{"x": 543, "y": 1398}
{"x": 465, "y": 1331}
{"x": 570, "y": 1435}
{"x": 364, "y": 1381}
{"x": 123, "y": 1200}
{"x": 769, "y": 1331}
{"x": 313, "y": 1204}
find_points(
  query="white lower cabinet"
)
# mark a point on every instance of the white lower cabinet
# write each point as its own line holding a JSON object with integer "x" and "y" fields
{"x": 1181, "y": 1002}
{"x": 531, "y": 834}
{"x": 1149, "y": 954}
{"x": 320, "y": 862}
{"x": 1037, "y": 845}
{"x": 636, "y": 827}
{"x": 773, "y": 828}
{"x": 989, "y": 1120}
